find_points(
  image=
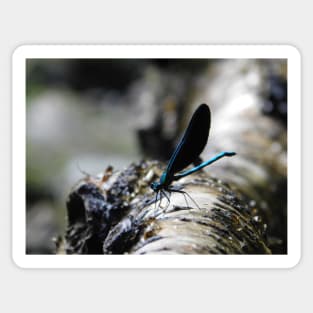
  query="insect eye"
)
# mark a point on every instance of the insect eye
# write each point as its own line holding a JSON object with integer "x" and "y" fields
{"x": 154, "y": 186}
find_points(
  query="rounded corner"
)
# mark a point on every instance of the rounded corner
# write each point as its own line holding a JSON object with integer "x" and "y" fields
{"x": 17, "y": 261}
{"x": 294, "y": 51}
{"x": 19, "y": 51}
{"x": 295, "y": 261}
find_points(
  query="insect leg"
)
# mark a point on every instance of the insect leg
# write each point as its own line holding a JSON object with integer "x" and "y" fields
{"x": 167, "y": 198}
{"x": 161, "y": 198}
{"x": 187, "y": 194}
{"x": 183, "y": 193}
{"x": 156, "y": 200}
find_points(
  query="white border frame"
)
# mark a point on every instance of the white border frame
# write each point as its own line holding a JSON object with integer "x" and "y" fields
{"x": 23, "y": 260}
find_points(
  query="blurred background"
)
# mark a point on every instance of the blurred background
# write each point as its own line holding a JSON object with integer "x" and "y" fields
{"x": 86, "y": 114}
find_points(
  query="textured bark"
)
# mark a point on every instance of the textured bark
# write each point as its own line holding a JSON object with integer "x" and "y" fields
{"x": 119, "y": 215}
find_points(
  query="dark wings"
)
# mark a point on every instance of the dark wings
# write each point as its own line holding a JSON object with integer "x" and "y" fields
{"x": 193, "y": 141}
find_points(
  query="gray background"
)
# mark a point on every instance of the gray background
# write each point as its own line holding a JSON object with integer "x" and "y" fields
{"x": 154, "y": 290}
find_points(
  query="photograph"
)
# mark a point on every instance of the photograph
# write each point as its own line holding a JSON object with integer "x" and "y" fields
{"x": 156, "y": 155}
